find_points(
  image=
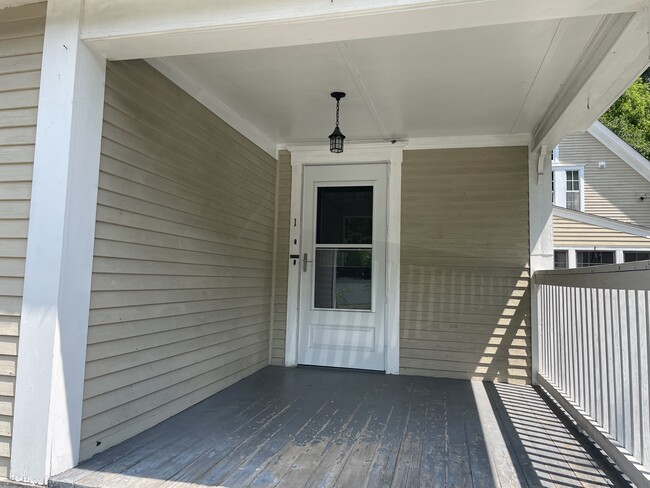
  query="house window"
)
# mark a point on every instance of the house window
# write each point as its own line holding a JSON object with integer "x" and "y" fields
{"x": 573, "y": 190}
{"x": 553, "y": 187}
{"x": 594, "y": 258}
{"x": 561, "y": 259}
{"x": 567, "y": 186}
{"x": 631, "y": 256}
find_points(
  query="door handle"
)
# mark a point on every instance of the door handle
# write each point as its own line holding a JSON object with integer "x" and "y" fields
{"x": 305, "y": 260}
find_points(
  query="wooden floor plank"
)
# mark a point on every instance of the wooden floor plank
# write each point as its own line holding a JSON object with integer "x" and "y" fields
{"x": 316, "y": 427}
{"x": 356, "y": 468}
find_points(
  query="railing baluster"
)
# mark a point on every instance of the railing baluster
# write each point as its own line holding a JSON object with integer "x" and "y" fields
{"x": 618, "y": 370}
{"x": 596, "y": 390}
{"x": 625, "y": 366}
{"x": 644, "y": 369}
{"x": 573, "y": 292}
{"x": 611, "y": 361}
{"x": 558, "y": 323}
{"x": 635, "y": 390}
{"x": 603, "y": 393}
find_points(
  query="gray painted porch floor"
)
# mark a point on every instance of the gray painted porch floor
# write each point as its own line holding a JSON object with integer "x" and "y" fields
{"x": 319, "y": 427}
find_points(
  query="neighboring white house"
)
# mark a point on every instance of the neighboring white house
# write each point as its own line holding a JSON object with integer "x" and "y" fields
{"x": 162, "y": 165}
{"x": 601, "y": 197}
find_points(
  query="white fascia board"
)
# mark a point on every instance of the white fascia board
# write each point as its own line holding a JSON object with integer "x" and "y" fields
{"x": 452, "y": 142}
{"x": 621, "y": 148}
{"x": 613, "y": 59}
{"x": 216, "y": 106}
{"x": 166, "y": 28}
{"x": 604, "y": 222}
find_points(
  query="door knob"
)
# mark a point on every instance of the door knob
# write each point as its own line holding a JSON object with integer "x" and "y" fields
{"x": 305, "y": 260}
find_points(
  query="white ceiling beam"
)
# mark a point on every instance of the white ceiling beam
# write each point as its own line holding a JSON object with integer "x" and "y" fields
{"x": 157, "y": 28}
{"x": 614, "y": 58}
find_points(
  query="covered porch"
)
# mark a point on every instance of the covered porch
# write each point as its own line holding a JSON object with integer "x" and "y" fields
{"x": 325, "y": 427}
{"x": 168, "y": 261}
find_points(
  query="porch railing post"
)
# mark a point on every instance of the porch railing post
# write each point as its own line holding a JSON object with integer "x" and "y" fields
{"x": 540, "y": 212}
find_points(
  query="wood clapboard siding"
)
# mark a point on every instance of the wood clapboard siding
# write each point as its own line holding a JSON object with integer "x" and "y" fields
{"x": 569, "y": 233}
{"x": 611, "y": 191}
{"x": 465, "y": 290}
{"x": 181, "y": 285}
{"x": 21, "y": 45}
{"x": 282, "y": 258}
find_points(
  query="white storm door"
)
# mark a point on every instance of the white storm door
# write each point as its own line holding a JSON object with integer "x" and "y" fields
{"x": 343, "y": 275}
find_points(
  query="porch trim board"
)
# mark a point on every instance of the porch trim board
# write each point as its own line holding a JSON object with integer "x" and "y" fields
{"x": 392, "y": 153}
{"x": 463, "y": 142}
{"x": 155, "y": 29}
{"x": 59, "y": 257}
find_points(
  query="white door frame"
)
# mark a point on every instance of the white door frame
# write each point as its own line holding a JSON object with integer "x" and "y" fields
{"x": 391, "y": 153}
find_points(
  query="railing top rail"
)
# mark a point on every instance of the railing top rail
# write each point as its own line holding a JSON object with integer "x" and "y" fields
{"x": 628, "y": 276}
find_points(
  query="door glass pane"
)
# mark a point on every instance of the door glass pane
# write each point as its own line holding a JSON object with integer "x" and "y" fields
{"x": 344, "y": 215}
{"x": 343, "y": 279}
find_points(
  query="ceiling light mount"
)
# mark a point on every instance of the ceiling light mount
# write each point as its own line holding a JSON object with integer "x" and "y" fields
{"x": 337, "y": 137}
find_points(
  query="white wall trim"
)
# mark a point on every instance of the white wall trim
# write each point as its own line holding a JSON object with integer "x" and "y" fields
{"x": 216, "y": 106}
{"x": 604, "y": 222}
{"x": 621, "y": 148}
{"x": 56, "y": 295}
{"x": 302, "y": 156}
{"x": 450, "y": 142}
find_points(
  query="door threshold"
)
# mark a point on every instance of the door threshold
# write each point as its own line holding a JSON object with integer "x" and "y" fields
{"x": 334, "y": 368}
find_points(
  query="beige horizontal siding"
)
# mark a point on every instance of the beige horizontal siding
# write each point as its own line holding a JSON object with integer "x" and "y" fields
{"x": 21, "y": 45}
{"x": 282, "y": 258}
{"x": 569, "y": 233}
{"x": 611, "y": 191}
{"x": 465, "y": 291}
{"x": 181, "y": 284}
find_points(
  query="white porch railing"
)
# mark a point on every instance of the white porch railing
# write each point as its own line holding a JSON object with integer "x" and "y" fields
{"x": 594, "y": 340}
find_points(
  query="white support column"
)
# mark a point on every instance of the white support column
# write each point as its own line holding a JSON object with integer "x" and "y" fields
{"x": 540, "y": 208}
{"x": 54, "y": 323}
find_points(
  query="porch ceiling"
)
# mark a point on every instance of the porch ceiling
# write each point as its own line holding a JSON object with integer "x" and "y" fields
{"x": 488, "y": 80}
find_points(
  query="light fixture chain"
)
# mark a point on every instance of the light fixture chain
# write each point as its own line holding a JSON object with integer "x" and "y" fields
{"x": 337, "y": 113}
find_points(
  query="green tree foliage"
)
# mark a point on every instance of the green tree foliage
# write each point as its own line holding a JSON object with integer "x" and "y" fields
{"x": 629, "y": 116}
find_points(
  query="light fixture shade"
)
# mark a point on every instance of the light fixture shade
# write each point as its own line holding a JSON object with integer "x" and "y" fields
{"x": 337, "y": 137}
{"x": 336, "y": 141}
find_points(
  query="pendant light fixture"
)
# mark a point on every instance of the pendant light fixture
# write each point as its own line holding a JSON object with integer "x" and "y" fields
{"x": 337, "y": 137}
